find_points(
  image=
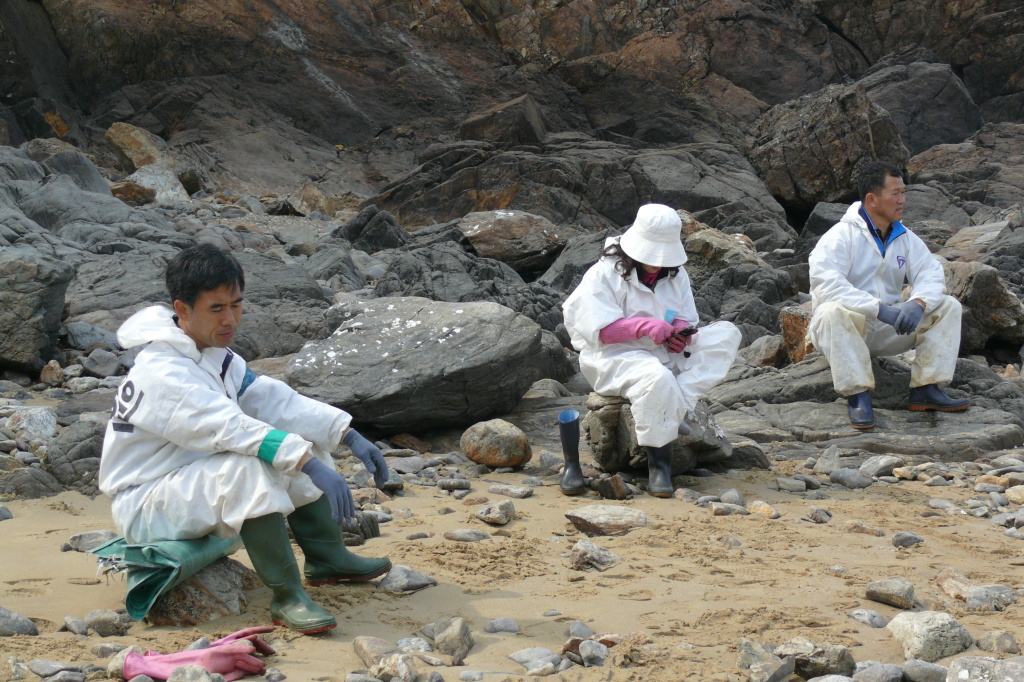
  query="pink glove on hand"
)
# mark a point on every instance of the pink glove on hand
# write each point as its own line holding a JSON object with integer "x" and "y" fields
{"x": 630, "y": 328}
{"x": 250, "y": 635}
{"x": 677, "y": 343}
{"x": 233, "y": 661}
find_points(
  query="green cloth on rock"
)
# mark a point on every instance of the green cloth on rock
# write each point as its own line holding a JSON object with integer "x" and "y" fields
{"x": 154, "y": 568}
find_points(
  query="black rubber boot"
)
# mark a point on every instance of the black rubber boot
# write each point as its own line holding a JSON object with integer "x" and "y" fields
{"x": 328, "y": 560}
{"x": 572, "y": 475}
{"x": 266, "y": 541}
{"x": 659, "y": 471}
{"x": 931, "y": 397}
{"x": 858, "y": 407}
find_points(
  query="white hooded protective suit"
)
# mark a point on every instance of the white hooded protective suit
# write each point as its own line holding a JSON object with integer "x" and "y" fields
{"x": 197, "y": 443}
{"x": 850, "y": 278}
{"x": 661, "y": 387}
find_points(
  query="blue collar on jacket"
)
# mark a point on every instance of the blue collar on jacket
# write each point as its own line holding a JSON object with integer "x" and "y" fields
{"x": 895, "y": 231}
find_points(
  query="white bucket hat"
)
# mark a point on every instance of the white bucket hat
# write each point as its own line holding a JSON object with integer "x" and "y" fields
{"x": 655, "y": 237}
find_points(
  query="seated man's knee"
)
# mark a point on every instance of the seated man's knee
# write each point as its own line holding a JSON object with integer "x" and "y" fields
{"x": 830, "y": 310}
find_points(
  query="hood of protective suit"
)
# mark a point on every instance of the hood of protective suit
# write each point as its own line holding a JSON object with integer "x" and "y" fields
{"x": 156, "y": 323}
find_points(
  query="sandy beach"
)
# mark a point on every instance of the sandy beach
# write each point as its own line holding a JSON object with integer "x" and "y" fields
{"x": 691, "y": 582}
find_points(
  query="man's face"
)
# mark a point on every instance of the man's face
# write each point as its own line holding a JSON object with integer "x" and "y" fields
{"x": 888, "y": 204}
{"x": 214, "y": 319}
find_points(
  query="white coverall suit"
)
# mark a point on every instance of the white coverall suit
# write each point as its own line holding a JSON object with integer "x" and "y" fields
{"x": 197, "y": 443}
{"x": 850, "y": 278}
{"x": 662, "y": 387}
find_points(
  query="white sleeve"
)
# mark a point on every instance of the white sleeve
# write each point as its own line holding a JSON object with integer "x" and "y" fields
{"x": 165, "y": 398}
{"x": 277, "y": 403}
{"x": 594, "y": 304}
{"x": 687, "y": 307}
{"x": 925, "y": 274}
{"x": 830, "y": 264}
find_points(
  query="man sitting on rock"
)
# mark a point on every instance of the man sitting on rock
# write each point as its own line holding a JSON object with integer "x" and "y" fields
{"x": 198, "y": 445}
{"x": 858, "y": 270}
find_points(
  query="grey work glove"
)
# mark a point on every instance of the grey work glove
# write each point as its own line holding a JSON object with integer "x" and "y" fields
{"x": 343, "y": 508}
{"x": 369, "y": 454}
{"x": 888, "y": 314}
{"x": 910, "y": 317}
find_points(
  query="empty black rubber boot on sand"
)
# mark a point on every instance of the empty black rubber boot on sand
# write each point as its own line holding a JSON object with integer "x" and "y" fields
{"x": 572, "y": 475}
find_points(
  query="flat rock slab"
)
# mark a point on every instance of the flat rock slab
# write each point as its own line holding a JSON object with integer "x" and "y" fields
{"x": 606, "y": 519}
{"x": 948, "y": 437}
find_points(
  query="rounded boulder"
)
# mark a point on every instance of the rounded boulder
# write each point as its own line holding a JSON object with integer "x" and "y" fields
{"x": 496, "y": 443}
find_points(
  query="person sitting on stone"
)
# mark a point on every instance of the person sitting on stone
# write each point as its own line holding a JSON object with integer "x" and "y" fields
{"x": 198, "y": 444}
{"x": 858, "y": 269}
{"x": 633, "y": 320}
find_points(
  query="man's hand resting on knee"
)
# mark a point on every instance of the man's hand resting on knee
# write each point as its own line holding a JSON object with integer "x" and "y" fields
{"x": 910, "y": 317}
{"x": 335, "y": 488}
{"x": 888, "y": 314}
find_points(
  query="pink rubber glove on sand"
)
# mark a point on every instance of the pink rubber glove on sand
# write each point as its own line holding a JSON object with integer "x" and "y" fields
{"x": 250, "y": 635}
{"x": 233, "y": 661}
{"x": 630, "y": 328}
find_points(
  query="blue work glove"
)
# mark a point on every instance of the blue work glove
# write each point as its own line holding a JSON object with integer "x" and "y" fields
{"x": 910, "y": 317}
{"x": 888, "y": 314}
{"x": 369, "y": 454}
{"x": 335, "y": 488}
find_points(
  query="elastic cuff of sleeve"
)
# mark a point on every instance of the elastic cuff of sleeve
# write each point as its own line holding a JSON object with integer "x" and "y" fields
{"x": 293, "y": 448}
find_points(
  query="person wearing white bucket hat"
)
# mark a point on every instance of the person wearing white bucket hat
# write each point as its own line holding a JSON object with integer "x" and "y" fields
{"x": 634, "y": 321}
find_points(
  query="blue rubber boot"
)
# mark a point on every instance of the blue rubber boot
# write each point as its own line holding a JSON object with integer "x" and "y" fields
{"x": 931, "y": 397}
{"x": 858, "y": 406}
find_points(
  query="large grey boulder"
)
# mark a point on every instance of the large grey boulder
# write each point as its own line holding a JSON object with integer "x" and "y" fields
{"x": 990, "y": 309}
{"x": 1007, "y": 256}
{"x": 412, "y": 363}
{"x": 372, "y": 230}
{"x": 444, "y": 272}
{"x": 696, "y": 177}
{"x": 29, "y": 483}
{"x": 100, "y": 223}
{"x": 284, "y": 307}
{"x": 927, "y": 101}
{"x": 73, "y": 457}
{"x": 523, "y": 241}
{"x": 579, "y": 254}
{"x": 108, "y": 289}
{"x": 333, "y": 264}
{"x": 81, "y": 170}
{"x": 32, "y": 289}
{"x": 517, "y": 122}
{"x": 987, "y": 166}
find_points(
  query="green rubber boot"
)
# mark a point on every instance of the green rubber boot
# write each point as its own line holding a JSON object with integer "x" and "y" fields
{"x": 266, "y": 541}
{"x": 328, "y": 560}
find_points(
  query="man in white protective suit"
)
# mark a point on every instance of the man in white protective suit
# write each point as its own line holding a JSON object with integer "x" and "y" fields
{"x": 858, "y": 270}
{"x": 198, "y": 444}
{"x": 634, "y": 321}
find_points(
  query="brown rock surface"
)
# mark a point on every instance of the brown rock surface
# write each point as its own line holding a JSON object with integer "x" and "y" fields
{"x": 794, "y": 321}
{"x": 806, "y": 150}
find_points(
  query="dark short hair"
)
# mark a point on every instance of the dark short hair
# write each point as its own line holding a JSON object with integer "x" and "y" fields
{"x": 871, "y": 177}
{"x": 201, "y": 268}
{"x": 624, "y": 265}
